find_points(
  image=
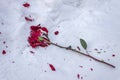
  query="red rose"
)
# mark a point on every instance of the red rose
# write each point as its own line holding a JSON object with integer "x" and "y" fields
{"x": 36, "y": 33}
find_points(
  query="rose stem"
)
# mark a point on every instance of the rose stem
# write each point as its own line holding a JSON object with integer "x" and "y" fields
{"x": 74, "y": 50}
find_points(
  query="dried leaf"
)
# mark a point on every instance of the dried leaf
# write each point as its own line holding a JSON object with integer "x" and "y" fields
{"x": 83, "y": 43}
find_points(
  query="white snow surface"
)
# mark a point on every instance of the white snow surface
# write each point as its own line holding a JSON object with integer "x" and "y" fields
{"x": 96, "y": 21}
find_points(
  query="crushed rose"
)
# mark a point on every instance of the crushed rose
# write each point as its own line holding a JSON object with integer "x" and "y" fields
{"x": 81, "y": 77}
{"x": 36, "y": 33}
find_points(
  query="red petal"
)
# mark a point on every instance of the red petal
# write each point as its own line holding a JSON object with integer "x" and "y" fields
{"x": 32, "y": 52}
{"x": 78, "y": 76}
{"x": 91, "y": 69}
{"x": 3, "y": 52}
{"x": 44, "y": 29}
{"x": 28, "y": 19}
{"x": 81, "y": 66}
{"x": 113, "y": 55}
{"x": 56, "y": 32}
{"x": 52, "y": 67}
{"x": 26, "y": 5}
{"x": 35, "y": 27}
{"x": 4, "y": 42}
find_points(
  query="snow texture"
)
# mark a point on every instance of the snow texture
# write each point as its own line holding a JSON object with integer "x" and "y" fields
{"x": 96, "y": 21}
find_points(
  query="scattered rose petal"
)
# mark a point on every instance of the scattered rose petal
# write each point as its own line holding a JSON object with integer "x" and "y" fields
{"x": 0, "y": 33}
{"x": 32, "y": 52}
{"x": 52, "y": 67}
{"x": 113, "y": 55}
{"x": 91, "y": 69}
{"x": 56, "y": 32}
{"x": 27, "y": 5}
{"x": 81, "y": 66}
{"x": 81, "y": 77}
{"x": 29, "y": 19}
{"x": 3, "y": 52}
{"x": 4, "y": 42}
{"x": 78, "y": 76}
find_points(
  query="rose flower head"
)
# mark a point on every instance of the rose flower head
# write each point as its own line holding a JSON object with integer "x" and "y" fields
{"x": 38, "y": 36}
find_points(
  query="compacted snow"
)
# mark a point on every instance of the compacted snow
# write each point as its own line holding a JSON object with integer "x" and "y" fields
{"x": 95, "y": 21}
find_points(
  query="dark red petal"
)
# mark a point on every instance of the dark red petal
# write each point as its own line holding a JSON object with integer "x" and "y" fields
{"x": 56, "y": 32}
{"x": 113, "y": 55}
{"x": 26, "y": 5}
{"x": 4, "y": 42}
{"x": 28, "y": 19}
{"x": 78, "y": 76}
{"x": 35, "y": 27}
{"x": 44, "y": 29}
{"x": 81, "y": 77}
{"x": 3, "y": 52}
{"x": 91, "y": 69}
{"x": 81, "y": 66}
{"x": 43, "y": 44}
{"x": 35, "y": 33}
{"x": 32, "y": 52}
{"x": 32, "y": 42}
{"x": 52, "y": 67}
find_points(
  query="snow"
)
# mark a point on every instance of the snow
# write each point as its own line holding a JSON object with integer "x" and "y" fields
{"x": 96, "y": 21}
